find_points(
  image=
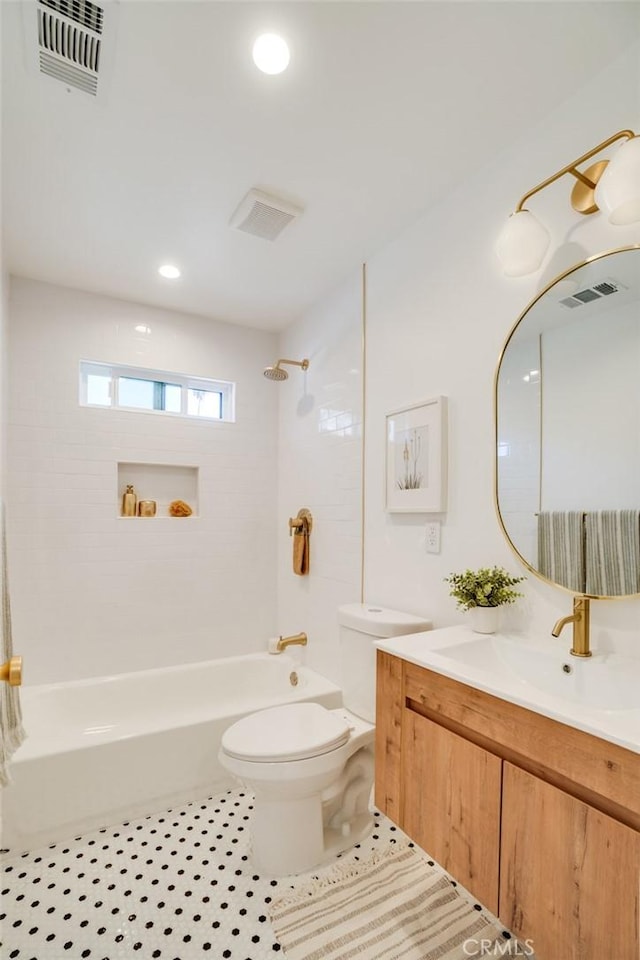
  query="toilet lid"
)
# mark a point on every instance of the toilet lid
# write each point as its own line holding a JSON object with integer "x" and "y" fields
{"x": 295, "y": 731}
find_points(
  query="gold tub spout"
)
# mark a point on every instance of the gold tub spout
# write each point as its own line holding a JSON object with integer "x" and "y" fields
{"x": 580, "y": 620}
{"x": 298, "y": 639}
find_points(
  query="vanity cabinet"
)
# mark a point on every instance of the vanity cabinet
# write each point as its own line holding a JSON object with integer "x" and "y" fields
{"x": 539, "y": 820}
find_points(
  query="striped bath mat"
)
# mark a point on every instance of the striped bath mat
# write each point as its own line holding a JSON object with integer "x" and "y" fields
{"x": 391, "y": 907}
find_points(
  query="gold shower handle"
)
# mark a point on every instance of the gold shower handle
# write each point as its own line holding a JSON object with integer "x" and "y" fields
{"x": 11, "y": 672}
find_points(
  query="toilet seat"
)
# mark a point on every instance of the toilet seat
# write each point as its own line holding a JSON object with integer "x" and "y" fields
{"x": 296, "y": 731}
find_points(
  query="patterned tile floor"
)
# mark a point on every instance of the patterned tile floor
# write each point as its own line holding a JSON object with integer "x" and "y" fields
{"x": 175, "y": 886}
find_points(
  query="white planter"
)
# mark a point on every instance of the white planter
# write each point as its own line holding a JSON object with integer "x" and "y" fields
{"x": 484, "y": 619}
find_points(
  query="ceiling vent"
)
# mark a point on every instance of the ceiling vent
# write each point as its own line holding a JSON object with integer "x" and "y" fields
{"x": 264, "y": 215}
{"x": 66, "y": 41}
{"x": 603, "y": 289}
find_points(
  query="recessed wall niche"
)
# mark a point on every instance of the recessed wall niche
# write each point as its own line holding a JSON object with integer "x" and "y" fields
{"x": 162, "y": 482}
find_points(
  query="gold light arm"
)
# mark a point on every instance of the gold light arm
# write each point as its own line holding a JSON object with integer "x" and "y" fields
{"x": 11, "y": 672}
{"x": 571, "y": 168}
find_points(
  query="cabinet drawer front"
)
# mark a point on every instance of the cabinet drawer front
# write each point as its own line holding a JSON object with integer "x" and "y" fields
{"x": 538, "y": 743}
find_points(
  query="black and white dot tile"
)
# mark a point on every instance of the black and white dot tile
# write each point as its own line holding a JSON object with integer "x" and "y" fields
{"x": 174, "y": 886}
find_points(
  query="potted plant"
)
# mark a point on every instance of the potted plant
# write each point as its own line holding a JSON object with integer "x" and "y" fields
{"x": 483, "y": 592}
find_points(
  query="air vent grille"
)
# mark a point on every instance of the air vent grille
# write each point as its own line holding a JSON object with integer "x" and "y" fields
{"x": 263, "y": 215}
{"x": 68, "y": 74}
{"x": 265, "y": 221}
{"x": 84, "y": 12}
{"x": 67, "y": 41}
{"x": 603, "y": 289}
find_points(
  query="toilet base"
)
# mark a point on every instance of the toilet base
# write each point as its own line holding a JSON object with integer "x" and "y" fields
{"x": 290, "y": 837}
{"x": 295, "y": 834}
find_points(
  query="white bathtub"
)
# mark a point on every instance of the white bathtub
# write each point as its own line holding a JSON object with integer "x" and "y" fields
{"x": 106, "y": 750}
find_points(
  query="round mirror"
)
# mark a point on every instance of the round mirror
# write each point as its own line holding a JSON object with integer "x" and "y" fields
{"x": 567, "y": 404}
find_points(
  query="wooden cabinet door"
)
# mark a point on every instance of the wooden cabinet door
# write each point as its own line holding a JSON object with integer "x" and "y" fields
{"x": 570, "y": 875}
{"x": 389, "y": 710}
{"x": 452, "y": 804}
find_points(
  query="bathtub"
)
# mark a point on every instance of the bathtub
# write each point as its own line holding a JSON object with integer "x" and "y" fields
{"x": 110, "y": 749}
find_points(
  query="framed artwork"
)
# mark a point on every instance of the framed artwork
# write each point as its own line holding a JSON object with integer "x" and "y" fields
{"x": 417, "y": 458}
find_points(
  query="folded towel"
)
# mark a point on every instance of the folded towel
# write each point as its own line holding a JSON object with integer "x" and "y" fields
{"x": 301, "y": 550}
{"x": 613, "y": 552}
{"x": 561, "y": 548}
{"x": 11, "y": 731}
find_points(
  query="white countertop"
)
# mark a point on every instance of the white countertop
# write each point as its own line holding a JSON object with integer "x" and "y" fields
{"x": 600, "y": 694}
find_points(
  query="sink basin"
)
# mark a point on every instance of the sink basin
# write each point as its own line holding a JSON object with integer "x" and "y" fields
{"x": 603, "y": 681}
{"x": 599, "y": 695}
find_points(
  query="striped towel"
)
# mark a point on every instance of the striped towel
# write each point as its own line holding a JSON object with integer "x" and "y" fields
{"x": 561, "y": 548}
{"x": 394, "y": 906}
{"x": 11, "y": 732}
{"x": 613, "y": 552}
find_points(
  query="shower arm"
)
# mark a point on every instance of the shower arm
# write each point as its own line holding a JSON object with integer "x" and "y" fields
{"x": 295, "y": 363}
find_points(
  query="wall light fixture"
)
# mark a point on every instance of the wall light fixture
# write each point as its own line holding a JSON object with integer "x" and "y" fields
{"x": 612, "y": 186}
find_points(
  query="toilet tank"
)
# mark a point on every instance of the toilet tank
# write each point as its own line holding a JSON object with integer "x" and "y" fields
{"x": 361, "y": 624}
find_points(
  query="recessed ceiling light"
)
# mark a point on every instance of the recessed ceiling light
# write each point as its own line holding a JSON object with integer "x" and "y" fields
{"x": 169, "y": 271}
{"x": 271, "y": 53}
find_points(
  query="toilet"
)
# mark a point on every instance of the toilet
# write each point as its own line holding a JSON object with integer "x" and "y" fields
{"x": 311, "y": 768}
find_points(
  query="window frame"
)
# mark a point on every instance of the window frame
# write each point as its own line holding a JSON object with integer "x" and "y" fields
{"x": 225, "y": 388}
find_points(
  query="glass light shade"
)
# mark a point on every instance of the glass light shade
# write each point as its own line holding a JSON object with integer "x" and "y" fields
{"x": 522, "y": 244}
{"x": 618, "y": 190}
{"x": 271, "y": 53}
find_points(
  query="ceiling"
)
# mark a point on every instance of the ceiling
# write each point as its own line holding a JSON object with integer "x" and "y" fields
{"x": 382, "y": 109}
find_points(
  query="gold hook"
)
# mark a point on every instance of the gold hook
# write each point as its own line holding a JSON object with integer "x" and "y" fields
{"x": 303, "y": 522}
{"x": 11, "y": 672}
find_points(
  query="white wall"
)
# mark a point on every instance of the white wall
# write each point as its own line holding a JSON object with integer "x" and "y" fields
{"x": 95, "y": 594}
{"x": 438, "y": 311}
{"x": 320, "y": 458}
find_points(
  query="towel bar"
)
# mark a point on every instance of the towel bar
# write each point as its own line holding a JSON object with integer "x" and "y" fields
{"x": 11, "y": 672}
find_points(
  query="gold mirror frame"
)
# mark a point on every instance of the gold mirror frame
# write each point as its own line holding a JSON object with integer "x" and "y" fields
{"x": 530, "y": 305}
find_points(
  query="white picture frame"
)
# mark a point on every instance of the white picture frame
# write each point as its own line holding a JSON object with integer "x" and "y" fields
{"x": 416, "y": 458}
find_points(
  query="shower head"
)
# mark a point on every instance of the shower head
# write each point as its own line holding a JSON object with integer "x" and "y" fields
{"x": 277, "y": 373}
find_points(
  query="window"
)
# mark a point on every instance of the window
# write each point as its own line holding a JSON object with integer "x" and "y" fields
{"x": 131, "y": 388}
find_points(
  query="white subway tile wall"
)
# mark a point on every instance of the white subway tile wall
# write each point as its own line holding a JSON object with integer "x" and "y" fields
{"x": 320, "y": 467}
{"x": 93, "y": 594}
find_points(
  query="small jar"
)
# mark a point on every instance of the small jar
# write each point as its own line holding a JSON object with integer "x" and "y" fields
{"x": 147, "y": 508}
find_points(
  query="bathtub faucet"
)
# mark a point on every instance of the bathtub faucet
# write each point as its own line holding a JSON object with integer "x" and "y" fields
{"x": 299, "y": 639}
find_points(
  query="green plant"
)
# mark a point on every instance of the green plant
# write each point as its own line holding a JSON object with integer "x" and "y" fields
{"x": 487, "y": 587}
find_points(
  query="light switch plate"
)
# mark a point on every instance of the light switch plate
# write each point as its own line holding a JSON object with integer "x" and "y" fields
{"x": 432, "y": 536}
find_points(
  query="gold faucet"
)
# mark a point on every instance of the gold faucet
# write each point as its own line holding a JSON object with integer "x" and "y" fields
{"x": 299, "y": 639}
{"x": 580, "y": 620}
